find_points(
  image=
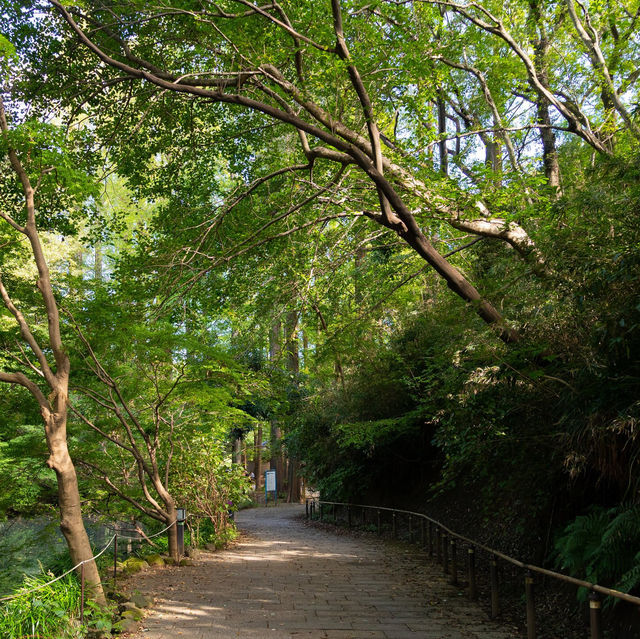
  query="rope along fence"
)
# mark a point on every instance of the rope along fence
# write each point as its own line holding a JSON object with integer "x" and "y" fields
{"x": 446, "y": 544}
{"x": 114, "y": 540}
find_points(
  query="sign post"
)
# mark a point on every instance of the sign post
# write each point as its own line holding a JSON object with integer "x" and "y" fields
{"x": 270, "y": 486}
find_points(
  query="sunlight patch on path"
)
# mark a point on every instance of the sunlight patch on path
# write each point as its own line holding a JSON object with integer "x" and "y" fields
{"x": 286, "y": 579}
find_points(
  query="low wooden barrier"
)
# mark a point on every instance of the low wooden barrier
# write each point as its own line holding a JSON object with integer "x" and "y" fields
{"x": 447, "y": 545}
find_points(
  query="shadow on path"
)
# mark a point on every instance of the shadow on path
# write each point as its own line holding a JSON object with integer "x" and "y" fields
{"x": 288, "y": 579}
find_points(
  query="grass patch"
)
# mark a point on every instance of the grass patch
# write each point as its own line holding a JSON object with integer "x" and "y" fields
{"x": 52, "y": 612}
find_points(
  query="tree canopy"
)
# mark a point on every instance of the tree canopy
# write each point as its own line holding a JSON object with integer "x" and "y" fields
{"x": 286, "y": 219}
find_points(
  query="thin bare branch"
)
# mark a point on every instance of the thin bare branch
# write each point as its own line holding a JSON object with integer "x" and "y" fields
{"x": 97, "y": 429}
{"x": 22, "y": 380}
{"x": 283, "y": 25}
{"x": 28, "y": 336}
{"x": 134, "y": 502}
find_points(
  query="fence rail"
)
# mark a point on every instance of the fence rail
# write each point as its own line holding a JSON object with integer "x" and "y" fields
{"x": 444, "y": 542}
{"x": 80, "y": 565}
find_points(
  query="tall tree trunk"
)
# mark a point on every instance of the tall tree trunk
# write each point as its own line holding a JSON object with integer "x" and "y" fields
{"x": 257, "y": 453}
{"x": 442, "y": 131}
{"x": 549, "y": 150}
{"x": 78, "y": 258}
{"x": 275, "y": 344}
{"x": 430, "y": 125}
{"x": 97, "y": 262}
{"x": 496, "y": 165}
{"x": 172, "y": 533}
{"x": 171, "y": 515}
{"x": 294, "y": 493}
{"x": 541, "y": 46}
{"x": 293, "y": 365}
{"x": 493, "y": 158}
{"x": 237, "y": 451}
{"x": 291, "y": 345}
{"x": 276, "y": 461}
{"x": 54, "y": 408}
{"x": 69, "y": 504}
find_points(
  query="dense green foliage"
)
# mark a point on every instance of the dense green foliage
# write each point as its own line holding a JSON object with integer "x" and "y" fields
{"x": 242, "y": 206}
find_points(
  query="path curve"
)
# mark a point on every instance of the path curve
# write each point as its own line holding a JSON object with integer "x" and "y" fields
{"x": 289, "y": 579}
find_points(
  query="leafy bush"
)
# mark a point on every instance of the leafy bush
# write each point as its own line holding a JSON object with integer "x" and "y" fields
{"x": 210, "y": 489}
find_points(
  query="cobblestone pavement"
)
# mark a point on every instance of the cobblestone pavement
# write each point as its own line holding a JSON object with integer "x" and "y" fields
{"x": 288, "y": 579}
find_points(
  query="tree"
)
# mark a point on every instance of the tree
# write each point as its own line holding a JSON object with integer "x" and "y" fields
{"x": 54, "y": 406}
{"x": 147, "y": 392}
{"x": 287, "y": 102}
{"x": 325, "y": 82}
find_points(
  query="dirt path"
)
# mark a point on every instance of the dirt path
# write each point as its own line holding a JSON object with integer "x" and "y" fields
{"x": 286, "y": 579}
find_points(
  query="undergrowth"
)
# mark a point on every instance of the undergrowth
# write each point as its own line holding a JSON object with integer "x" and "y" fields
{"x": 602, "y": 547}
{"x": 52, "y": 611}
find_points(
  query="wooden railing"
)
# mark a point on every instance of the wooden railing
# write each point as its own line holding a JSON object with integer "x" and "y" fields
{"x": 446, "y": 544}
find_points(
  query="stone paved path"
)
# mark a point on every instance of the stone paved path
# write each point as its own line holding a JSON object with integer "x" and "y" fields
{"x": 287, "y": 579}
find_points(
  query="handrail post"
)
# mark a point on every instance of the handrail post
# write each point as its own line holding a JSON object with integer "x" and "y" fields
{"x": 447, "y": 544}
{"x": 473, "y": 587}
{"x": 445, "y": 552}
{"x": 493, "y": 577}
{"x": 454, "y": 562}
{"x": 531, "y": 609}
{"x": 82, "y": 592}
{"x": 595, "y": 615}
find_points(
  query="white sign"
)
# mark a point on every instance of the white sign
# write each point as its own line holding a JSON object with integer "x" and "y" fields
{"x": 270, "y": 481}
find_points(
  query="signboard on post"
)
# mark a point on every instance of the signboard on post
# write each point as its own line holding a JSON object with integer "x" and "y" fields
{"x": 270, "y": 486}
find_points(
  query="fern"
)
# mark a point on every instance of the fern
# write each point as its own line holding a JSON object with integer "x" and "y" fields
{"x": 621, "y": 543}
{"x": 603, "y": 547}
{"x": 581, "y": 543}
{"x": 631, "y": 578}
